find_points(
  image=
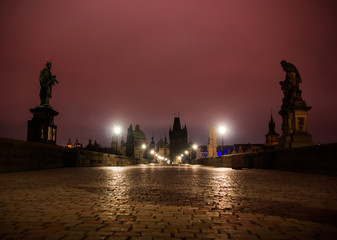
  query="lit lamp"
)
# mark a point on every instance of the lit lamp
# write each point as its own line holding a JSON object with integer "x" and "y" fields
{"x": 194, "y": 150}
{"x": 152, "y": 154}
{"x": 222, "y": 131}
{"x": 117, "y": 131}
{"x": 143, "y": 147}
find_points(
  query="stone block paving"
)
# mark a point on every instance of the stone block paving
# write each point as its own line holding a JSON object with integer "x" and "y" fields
{"x": 157, "y": 202}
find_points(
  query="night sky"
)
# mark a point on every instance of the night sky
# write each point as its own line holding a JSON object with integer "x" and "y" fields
{"x": 128, "y": 62}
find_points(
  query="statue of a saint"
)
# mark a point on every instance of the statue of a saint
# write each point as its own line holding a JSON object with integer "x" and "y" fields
{"x": 291, "y": 85}
{"x": 47, "y": 80}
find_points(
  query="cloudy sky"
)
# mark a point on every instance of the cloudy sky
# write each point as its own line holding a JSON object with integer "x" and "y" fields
{"x": 128, "y": 62}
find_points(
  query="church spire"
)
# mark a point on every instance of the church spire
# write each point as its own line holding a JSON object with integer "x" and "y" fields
{"x": 272, "y": 136}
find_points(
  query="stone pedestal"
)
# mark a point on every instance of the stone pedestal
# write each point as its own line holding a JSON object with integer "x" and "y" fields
{"x": 41, "y": 128}
{"x": 294, "y": 126}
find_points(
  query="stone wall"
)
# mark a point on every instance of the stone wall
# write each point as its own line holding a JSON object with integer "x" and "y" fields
{"x": 17, "y": 155}
{"x": 214, "y": 162}
{"x": 84, "y": 158}
{"x": 317, "y": 158}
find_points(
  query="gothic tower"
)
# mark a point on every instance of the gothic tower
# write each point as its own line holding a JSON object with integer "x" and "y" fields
{"x": 178, "y": 139}
{"x": 272, "y": 136}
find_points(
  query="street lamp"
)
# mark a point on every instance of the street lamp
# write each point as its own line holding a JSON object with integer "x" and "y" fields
{"x": 117, "y": 131}
{"x": 222, "y": 131}
{"x": 143, "y": 147}
{"x": 194, "y": 151}
{"x": 152, "y": 152}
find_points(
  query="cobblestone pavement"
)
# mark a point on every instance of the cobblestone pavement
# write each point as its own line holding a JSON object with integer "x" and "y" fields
{"x": 157, "y": 202}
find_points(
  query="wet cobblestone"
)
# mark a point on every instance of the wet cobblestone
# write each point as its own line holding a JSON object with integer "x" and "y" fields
{"x": 157, "y": 202}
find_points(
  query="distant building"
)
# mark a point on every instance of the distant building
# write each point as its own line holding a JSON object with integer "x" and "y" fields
{"x": 152, "y": 145}
{"x": 77, "y": 144}
{"x": 163, "y": 148}
{"x": 272, "y": 137}
{"x": 247, "y": 148}
{"x": 114, "y": 145}
{"x": 90, "y": 146}
{"x": 139, "y": 140}
{"x": 122, "y": 147}
{"x": 130, "y": 143}
{"x": 69, "y": 145}
{"x": 202, "y": 152}
{"x": 178, "y": 139}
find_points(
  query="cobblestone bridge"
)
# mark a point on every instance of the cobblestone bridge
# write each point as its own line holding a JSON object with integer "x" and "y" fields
{"x": 158, "y": 202}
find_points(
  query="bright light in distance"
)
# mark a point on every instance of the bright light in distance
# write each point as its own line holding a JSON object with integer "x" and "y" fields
{"x": 152, "y": 151}
{"x": 182, "y": 155}
{"x": 222, "y": 130}
{"x": 143, "y": 146}
{"x": 179, "y": 158}
{"x": 117, "y": 130}
{"x": 195, "y": 146}
{"x": 186, "y": 152}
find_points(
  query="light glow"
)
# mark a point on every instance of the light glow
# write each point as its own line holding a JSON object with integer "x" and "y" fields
{"x": 222, "y": 129}
{"x": 117, "y": 130}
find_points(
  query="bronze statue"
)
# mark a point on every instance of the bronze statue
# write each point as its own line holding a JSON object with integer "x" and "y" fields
{"x": 290, "y": 86}
{"x": 47, "y": 80}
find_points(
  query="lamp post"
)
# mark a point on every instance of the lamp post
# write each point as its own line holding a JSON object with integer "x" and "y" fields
{"x": 194, "y": 150}
{"x": 152, "y": 154}
{"x": 186, "y": 157}
{"x": 117, "y": 131}
{"x": 143, "y": 147}
{"x": 222, "y": 131}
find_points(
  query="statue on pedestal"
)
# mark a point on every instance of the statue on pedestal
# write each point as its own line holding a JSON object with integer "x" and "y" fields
{"x": 293, "y": 110}
{"x": 47, "y": 80}
{"x": 41, "y": 127}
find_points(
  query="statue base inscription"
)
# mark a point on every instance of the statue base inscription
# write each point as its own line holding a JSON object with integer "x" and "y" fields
{"x": 41, "y": 128}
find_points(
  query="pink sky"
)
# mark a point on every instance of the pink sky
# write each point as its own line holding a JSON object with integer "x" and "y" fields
{"x": 129, "y": 62}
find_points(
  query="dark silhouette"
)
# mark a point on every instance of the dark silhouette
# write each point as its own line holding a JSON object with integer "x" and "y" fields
{"x": 130, "y": 142}
{"x": 178, "y": 139}
{"x": 291, "y": 85}
{"x": 47, "y": 80}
